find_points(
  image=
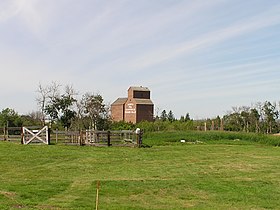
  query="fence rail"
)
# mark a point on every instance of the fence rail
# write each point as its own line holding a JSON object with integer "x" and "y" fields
{"x": 11, "y": 134}
{"x": 98, "y": 138}
{"x": 84, "y": 137}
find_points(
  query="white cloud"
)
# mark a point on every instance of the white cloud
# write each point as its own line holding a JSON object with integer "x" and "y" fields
{"x": 243, "y": 27}
{"x": 9, "y": 9}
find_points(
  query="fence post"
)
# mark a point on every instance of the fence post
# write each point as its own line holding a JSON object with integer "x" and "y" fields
{"x": 22, "y": 135}
{"x": 109, "y": 138}
{"x": 49, "y": 135}
{"x": 56, "y": 135}
{"x": 97, "y": 138}
{"x": 7, "y": 131}
{"x": 81, "y": 140}
{"x": 4, "y": 129}
{"x": 140, "y": 138}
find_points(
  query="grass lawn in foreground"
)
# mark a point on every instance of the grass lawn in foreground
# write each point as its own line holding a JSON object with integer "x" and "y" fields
{"x": 235, "y": 175}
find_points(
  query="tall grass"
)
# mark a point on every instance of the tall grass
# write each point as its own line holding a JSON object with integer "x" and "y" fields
{"x": 167, "y": 137}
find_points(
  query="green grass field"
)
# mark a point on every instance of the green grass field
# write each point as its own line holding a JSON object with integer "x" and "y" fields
{"x": 203, "y": 173}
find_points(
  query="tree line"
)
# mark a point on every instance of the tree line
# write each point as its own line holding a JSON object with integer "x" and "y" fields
{"x": 259, "y": 118}
{"x": 64, "y": 108}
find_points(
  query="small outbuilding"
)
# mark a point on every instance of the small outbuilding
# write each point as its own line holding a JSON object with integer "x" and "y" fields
{"x": 135, "y": 108}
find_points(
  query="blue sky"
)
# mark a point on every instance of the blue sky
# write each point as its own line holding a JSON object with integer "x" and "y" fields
{"x": 201, "y": 57}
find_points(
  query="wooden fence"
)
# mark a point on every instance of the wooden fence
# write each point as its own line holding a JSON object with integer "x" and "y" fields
{"x": 66, "y": 137}
{"x": 99, "y": 138}
{"x": 115, "y": 138}
{"x": 13, "y": 134}
{"x": 85, "y": 137}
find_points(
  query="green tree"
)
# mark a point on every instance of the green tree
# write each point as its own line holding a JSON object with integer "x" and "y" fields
{"x": 182, "y": 119}
{"x": 95, "y": 109}
{"x": 10, "y": 118}
{"x": 233, "y": 122}
{"x": 32, "y": 119}
{"x": 170, "y": 116}
{"x": 46, "y": 95}
{"x": 122, "y": 125}
{"x": 245, "y": 115}
{"x": 270, "y": 116}
{"x": 254, "y": 117}
{"x": 187, "y": 117}
{"x": 60, "y": 107}
{"x": 217, "y": 123}
{"x": 163, "y": 115}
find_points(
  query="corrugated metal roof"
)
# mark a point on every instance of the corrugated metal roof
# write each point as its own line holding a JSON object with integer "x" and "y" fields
{"x": 119, "y": 101}
{"x": 139, "y": 88}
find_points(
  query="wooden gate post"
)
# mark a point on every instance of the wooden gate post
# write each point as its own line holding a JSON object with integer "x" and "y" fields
{"x": 5, "y": 133}
{"x": 49, "y": 136}
{"x": 22, "y": 135}
{"x": 56, "y": 135}
{"x": 109, "y": 138}
{"x": 81, "y": 140}
{"x": 138, "y": 132}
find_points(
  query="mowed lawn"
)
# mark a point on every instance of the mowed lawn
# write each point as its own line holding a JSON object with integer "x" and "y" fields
{"x": 235, "y": 175}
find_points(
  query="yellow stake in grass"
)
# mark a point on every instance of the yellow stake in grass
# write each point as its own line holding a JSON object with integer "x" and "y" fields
{"x": 97, "y": 196}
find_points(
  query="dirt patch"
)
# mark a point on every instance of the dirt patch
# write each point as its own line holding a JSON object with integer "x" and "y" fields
{"x": 17, "y": 206}
{"x": 10, "y": 195}
{"x": 48, "y": 207}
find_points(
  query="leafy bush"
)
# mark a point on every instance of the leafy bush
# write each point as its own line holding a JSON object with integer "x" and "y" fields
{"x": 121, "y": 125}
{"x": 160, "y": 125}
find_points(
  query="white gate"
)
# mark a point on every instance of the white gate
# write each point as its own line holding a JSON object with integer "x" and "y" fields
{"x": 36, "y": 136}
